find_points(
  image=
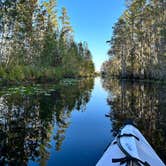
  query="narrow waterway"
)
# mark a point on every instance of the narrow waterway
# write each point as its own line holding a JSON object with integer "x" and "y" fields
{"x": 72, "y": 123}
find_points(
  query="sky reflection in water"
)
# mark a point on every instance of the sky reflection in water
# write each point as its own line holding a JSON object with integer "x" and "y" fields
{"x": 66, "y": 124}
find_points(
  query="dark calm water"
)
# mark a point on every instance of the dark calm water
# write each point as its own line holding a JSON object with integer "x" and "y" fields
{"x": 72, "y": 123}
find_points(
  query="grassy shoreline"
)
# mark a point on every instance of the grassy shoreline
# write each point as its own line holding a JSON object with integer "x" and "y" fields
{"x": 36, "y": 81}
{"x": 30, "y": 75}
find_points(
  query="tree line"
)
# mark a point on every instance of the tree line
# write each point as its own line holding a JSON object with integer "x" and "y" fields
{"x": 137, "y": 47}
{"x": 37, "y": 43}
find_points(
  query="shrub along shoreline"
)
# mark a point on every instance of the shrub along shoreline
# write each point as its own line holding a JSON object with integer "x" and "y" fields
{"x": 29, "y": 74}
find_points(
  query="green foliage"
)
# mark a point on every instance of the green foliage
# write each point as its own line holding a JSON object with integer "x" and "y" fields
{"x": 3, "y": 74}
{"x": 138, "y": 42}
{"x": 37, "y": 44}
{"x": 16, "y": 73}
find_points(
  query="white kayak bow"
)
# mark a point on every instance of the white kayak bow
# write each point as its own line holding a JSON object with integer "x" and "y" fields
{"x": 130, "y": 148}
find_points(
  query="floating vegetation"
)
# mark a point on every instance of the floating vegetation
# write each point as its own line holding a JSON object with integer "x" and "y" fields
{"x": 37, "y": 89}
{"x": 26, "y": 90}
{"x": 69, "y": 81}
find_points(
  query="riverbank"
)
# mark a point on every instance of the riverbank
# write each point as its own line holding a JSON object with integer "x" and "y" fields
{"x": 159, "y": 81}
{"x": 32, "y": 74}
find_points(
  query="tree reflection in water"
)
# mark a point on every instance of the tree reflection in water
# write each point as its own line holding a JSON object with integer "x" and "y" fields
{"x": 145, "y": 104}
{"x": 27, "y": 121}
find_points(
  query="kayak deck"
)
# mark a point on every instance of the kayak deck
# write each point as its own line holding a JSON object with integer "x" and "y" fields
{"x": 130, "y": 146}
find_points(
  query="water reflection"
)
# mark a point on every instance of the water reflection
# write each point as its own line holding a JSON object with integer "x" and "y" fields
{"x": 27, "y": 121}
{"x": 144, "y": 103}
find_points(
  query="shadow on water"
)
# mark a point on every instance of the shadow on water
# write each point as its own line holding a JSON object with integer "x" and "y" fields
{"x": 29, "y": 114}
{"x": 145, "y": 104}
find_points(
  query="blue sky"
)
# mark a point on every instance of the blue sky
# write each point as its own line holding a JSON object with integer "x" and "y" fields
{"x": 92, "y": 21}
